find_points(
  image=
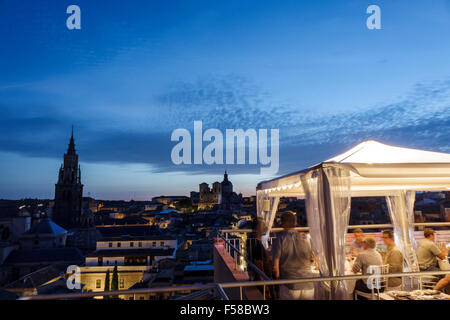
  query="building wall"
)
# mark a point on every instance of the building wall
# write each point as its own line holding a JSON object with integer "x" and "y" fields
{"x": 43, "y": 241}
{"x": 148, "y": 296}
{"x": 209, "y": 196}
{"x": 128, "y": 276}
{"x": 225, "y": 270}
{"x": 107, "y": 261}
{"x": 149, "y": 244}
{"x": 20, "y": 225}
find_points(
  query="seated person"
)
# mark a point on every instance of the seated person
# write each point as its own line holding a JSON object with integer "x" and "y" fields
{"x": 393, "y": 257}
{"x": 292, "y": 257}
{"x": 356, "y": 247}
{"x": 368, "y": 257}
{"x": 428, "y": 252}
{"x": 444, "y": 284}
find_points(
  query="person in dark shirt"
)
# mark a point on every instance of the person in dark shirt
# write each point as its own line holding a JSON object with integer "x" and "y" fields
{"x": 257, "y": 254}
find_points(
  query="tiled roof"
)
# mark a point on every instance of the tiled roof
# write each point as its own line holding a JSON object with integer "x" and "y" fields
{"x": 44, "y": 256}
{"x": 46, "y": 226}
{"x": 123, "y": 222}
{"x": 36, "y": 279}
{"x": 135, "y": 232}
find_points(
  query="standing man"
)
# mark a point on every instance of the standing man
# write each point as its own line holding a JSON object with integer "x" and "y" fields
{"x": 357, "y": 245}
{"x": 428, "y": 252}
{"x": 292, "y": 257}
{"x": 368, "y": 257}
{"x": 393, "y": 257}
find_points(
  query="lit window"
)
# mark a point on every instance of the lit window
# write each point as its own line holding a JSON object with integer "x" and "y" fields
{"x": 98, "y": 283}
{"x": 122, "y": 283}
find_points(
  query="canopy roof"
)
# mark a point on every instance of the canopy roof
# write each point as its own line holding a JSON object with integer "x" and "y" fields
{"x": 376, "y": 169}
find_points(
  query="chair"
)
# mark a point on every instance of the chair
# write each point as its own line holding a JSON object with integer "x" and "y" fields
{"x": 381, "y": 269}
{"x": 398, "y": 288}
{"x": 428, "y": 282}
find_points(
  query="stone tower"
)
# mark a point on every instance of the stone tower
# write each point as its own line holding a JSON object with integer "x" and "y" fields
{"x": 68, "y": 190}
{"x": 226, "y": 193}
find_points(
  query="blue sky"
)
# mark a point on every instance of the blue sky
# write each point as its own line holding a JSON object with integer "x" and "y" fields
{"x": 139, "y": 69}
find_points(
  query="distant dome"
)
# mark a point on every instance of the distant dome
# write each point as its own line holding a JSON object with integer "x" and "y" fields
{"x": 226, "y": 183}
{"x": 46, "y": 226}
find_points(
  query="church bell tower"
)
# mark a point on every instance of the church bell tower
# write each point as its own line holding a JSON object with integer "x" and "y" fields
{"x": 68, "y": 190}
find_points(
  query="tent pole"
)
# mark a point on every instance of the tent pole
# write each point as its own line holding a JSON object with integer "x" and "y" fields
{"x": 329, "y": 226}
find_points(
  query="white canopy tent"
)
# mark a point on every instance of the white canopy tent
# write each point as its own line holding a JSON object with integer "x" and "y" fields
{"x": 369, "y": 169}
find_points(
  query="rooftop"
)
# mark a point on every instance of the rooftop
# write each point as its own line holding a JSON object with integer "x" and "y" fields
{"x": 44, "y": 256}
{"x": 46, "y": 226}
{"x": 144, "y": 232}
{"x": 36, "y": 279}
{"x": 131, "y": 252}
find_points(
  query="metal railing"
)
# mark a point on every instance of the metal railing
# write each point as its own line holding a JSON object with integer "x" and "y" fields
{"x": 222, "y": 292}
{"x": 236, "y": 242}
{"x": 221, "y": 286}
{"x": 229, "y": 246}
{"x": 362, "y": 226}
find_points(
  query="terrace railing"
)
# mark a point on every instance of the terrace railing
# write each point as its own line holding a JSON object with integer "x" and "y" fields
{"x": 234, "y": 241}
{"x": 221, "y": 286}
{"x": 232, "y": 246}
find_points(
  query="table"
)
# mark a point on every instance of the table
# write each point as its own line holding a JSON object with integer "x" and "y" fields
{"x": 350, "y": 284}
{"x": 414, "y": 295}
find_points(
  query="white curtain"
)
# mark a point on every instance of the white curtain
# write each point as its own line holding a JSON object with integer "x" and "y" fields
{"x": 266, "y": 208}
{"x": 328, "y": 201}
{"x": 260, "y": 197}
{"x": 401, "y": 211}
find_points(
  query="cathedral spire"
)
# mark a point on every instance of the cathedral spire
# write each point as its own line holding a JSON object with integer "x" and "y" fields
{"x": 71, "y": 149}
{"x": 68, "y": 190}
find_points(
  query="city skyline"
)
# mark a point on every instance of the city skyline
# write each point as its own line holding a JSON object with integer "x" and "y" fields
{"x": 133, "y": 74}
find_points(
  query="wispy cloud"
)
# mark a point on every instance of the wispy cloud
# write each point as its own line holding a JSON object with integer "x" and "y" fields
{"x": 419, "y": 120}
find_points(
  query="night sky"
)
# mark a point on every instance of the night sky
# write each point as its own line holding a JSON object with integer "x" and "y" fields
{"x": 137, "y": 70}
